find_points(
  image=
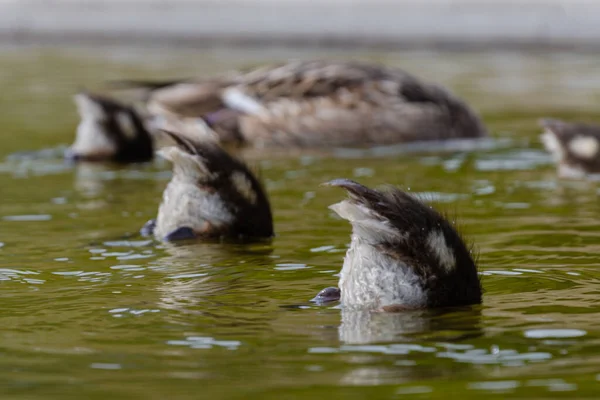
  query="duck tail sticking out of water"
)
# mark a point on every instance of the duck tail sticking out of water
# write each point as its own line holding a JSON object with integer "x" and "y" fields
{"x": 109, "y": 131}
{"x": 211, "y": 194}
{"x": 403, "y": 254}
{"x": 575, "y": 147}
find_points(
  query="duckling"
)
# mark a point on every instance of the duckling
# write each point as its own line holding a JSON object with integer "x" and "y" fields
{"x": 403, "y": 255}
{"x": 109, "y": 130}
{"x": 575, "y": 147}
{"x": 211, "y": 195}
{"x": 112, "y": 131}
{"x": 316, "y": 104}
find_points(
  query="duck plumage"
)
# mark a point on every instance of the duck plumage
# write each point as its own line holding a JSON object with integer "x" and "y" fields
{"x": 109, "y": 130}
{"x": 403, "y": 254}
{"x": 211, "y": 195}
{"x": 318, "y": 103}
{"x": 574, "y": 146}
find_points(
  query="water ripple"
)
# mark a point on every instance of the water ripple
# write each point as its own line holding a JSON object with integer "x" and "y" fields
{"x": 554, "y": 333}
{"x": 501, "y": 357}
{"x": 28, "y": 218}
{"x": 205, "y": 342}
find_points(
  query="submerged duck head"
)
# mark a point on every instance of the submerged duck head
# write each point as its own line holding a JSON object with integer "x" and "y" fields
{"x": 211, "y": 195}
{"x": 109, "y": 131}
{"x": 575, "y": 147}
{"x": 403, "y": 254}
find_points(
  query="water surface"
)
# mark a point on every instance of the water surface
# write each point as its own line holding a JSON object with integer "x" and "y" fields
{"x": 92, "y": 310}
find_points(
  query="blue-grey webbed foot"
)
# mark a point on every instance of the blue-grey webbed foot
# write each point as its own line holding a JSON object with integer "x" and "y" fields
{"x": 148, "y": 228}
{"x": 327, "y": 295}
{"x": 70, "y": 156}
{"x": 182, "y": 233}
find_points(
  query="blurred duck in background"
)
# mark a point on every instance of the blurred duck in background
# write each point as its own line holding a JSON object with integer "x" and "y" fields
{"x": 299, "y": 104}
{"x": 112, "y": 131}
{"x": 575, "y": 147}
{"x": 109, "y": 130}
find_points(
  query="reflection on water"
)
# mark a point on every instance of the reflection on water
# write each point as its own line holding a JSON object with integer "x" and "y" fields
{"x": 89, "y": 305}
{"x": 364, "y": 327}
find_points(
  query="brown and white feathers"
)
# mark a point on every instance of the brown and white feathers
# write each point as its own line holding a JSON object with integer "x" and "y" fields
{"x": 112, "y": 131}
{"x": 575, "y": 147}
{"x": 319, "y": 103}
{"x": 403, "y": 254}
{"x": 109, "y": 131}
{"x": 211, "y": 195}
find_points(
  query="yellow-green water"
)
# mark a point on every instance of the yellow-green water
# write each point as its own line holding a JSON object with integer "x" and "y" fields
{"x": 90, "y": 310}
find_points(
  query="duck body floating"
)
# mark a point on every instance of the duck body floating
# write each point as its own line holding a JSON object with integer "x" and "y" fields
{"x": 403, "y": 255}
{"x": 316, "y": 104}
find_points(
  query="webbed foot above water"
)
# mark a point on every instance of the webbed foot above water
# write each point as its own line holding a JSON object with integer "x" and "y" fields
{"x": 148, "y": 228}
{"x": 181, "y": 233}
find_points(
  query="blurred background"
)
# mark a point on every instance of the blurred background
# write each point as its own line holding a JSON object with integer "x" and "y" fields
{"x": 502, "y": 56}
{"x": 91, "y": 309}
{"x": 408, "y": 23}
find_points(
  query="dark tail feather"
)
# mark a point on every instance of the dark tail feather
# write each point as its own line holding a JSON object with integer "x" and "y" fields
{"x": 349, "y": 185}
{"x": 182, "y": 142}
{"x": 357, "y": 191}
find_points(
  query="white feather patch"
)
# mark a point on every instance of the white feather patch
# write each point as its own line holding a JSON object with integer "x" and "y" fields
{"x": 186, "y": 204}
{"x": 126, "y": 124}
{"x": 370, "y": 279}
{"x": 185, "y": 165}
{"x": 88, "y": 108}
{"x": 367, "y": 223}
{"x": 585, "y": 147}
{"x": 243, "y": 185}
{"x": 437, "y": 243}
{"x": 552, "y": 145}
{"x": 238, "y": 100}
{"x": 570, "y": 171}
{"x": 91, "y": 140}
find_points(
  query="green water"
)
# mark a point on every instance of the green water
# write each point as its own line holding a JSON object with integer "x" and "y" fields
{"x": 90, "y": 310}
